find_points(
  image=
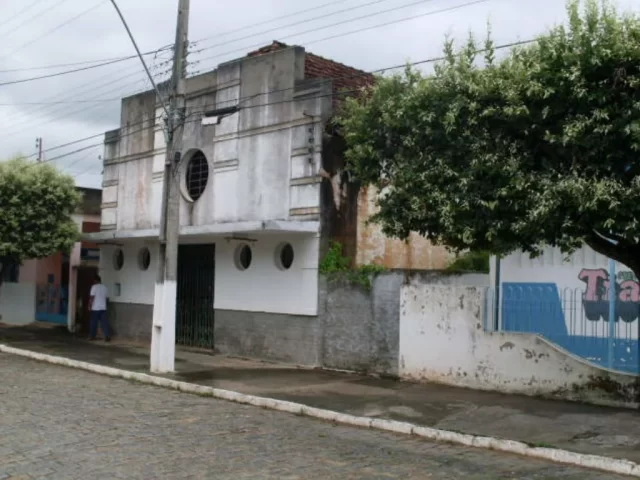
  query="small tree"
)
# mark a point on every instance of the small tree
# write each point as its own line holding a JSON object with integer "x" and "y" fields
{"x": 36, "y": 204}
{"x": 539, "y": 148}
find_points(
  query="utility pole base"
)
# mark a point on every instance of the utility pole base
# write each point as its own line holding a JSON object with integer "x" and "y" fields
{"x": 163, "y": 341}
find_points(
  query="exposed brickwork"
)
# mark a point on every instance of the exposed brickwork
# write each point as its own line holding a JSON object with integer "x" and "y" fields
{"x": 345, "y": 78}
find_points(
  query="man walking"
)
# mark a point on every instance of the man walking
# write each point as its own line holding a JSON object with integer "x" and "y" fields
{"x": 98, "y": 308}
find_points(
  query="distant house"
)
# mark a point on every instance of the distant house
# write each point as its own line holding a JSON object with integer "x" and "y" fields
{"x": 55, "y": 289}
{"x": 263, "y": 193}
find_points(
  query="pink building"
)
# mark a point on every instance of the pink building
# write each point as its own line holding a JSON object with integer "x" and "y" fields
{"x": 55, "y": 289}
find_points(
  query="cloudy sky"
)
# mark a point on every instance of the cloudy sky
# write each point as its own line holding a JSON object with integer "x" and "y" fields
{"x": 36, "y": 36}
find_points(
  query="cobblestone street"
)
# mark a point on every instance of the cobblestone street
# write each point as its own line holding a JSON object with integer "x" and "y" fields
{"x": 58, "y": 423}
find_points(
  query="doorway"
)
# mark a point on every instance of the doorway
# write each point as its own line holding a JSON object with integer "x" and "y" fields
{"x": 195, "y": 295}
{"x": 84, "y": 281}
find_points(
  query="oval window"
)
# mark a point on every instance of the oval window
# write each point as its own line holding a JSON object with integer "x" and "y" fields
{"x": 118, "y": 259}
{"x": 144, "y": 258}
{"x": 243, "y": 257}
{"x": 197, "y": 175}
{"x": 284, "y": 256}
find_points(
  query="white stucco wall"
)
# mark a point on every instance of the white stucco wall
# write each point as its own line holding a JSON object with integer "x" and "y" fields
{"x": 136, "y": 285}
{"x": 263, "y": 287}
{"x": 18, "y": 303}
{"x": 259, "y": 163}
{"x": 442, "y": 340}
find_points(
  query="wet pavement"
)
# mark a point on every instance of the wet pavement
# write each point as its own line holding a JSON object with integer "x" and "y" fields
{"x": 581, "y": 428}
{"x": 63, "y": 424}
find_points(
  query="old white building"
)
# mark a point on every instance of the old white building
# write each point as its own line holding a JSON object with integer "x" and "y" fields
{"x": 262, "y": 194}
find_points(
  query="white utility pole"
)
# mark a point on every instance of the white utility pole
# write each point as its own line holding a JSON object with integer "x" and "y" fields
{"x": 163, "y": 337}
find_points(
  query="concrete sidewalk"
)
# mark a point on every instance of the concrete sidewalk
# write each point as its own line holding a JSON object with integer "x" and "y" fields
{"x": 580, "y": 428}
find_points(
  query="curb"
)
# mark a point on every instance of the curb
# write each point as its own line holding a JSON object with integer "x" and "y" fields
{"x": 596, "y": 462}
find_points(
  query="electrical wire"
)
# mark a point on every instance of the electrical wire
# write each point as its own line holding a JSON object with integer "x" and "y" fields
{"x": 141, "y": 57}
{"x": 26, "y": 9}
{"x": 57, "y": 103}
{"x": 326, "y": 15}
{"x": 413, "y": 17}
{"x": 262, "y": 105}
{"x": 90, "y": 86}
{"x": 265, "y": 22}
{"x": 285, "y": 101}
{"x": 49, "y": 111}
{"x": 38, "y": 15}
{"x": 55, "y": 29}
{"x": 108, "y": 61}
{"x": 58, "y": 74}
{"x": 57, "y": 118}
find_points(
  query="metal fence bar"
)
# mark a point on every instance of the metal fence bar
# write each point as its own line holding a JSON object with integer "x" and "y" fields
{"x": 602, "y": 328}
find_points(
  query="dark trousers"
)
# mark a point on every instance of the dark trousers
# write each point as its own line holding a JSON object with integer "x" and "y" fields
{"x": 99, "y": 317}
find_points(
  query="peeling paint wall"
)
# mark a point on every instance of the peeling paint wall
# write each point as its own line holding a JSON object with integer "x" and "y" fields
{"x": 373, "y": 246}
{"x": 360, "y": 327}
{"x": 263, "y": 160}
{"x": 442, "y": 339}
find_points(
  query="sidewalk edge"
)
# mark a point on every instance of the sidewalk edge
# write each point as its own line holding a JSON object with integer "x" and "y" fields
{"x": 596, "y": 462}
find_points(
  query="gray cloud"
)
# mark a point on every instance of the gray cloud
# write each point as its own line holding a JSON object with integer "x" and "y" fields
{"x": 99, "y": 34}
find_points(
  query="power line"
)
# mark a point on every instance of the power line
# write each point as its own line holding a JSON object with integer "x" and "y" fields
{"x": 88, "y": 86}
{"x": 91, "y": 137}
{"x": 107, "y": 60}
{"x": 62, "y": 65}
{"x": 65, "y": 113}
{"x": 55, "y": 29}
{"x": 141, "y": 57}
{"x": 344, "y": 10}
{"x": 81, "y": 69}
{"x": 16, "y": 104}
{"x": 240, "y": 29}
{"x": 413, "y": 17}
{"x": 27, "y": 8}
{"x": 41, "y": 13}
{"x": 261, "y": 105}
{"x": 92, "y": 64}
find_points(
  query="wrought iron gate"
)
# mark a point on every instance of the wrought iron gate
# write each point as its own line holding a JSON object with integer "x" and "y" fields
{"x": 194, "y": 309}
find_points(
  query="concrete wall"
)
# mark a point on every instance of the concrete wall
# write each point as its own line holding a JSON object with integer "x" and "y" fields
{"x": 442, "y": 339}
{"x": 361, "y": 327}
{"x": 264, "y": 287}
{"x": 17, "y": 303}
{"x": 136, "y": 285}
{"x": 287, "y": 338}
{"x": 131, "y": 321}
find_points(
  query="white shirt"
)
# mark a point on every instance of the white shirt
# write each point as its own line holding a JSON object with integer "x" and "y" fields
{"x": 99, "y": 294}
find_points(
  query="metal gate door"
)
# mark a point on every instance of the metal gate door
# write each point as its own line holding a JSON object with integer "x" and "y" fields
{"x": 194, "y": 308}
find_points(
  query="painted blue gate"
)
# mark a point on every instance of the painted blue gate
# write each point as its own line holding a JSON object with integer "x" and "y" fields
{"x": 52, "y": 303}
{"x": 574, "y": 323}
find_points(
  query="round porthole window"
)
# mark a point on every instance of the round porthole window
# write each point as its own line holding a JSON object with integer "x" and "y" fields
{"x": 197, "y": 175}
{"x": 243, "y": 256}
{"x": 144, "y": 258}
{"x": 118, "y": 259}
{"x": 284, "y": 256}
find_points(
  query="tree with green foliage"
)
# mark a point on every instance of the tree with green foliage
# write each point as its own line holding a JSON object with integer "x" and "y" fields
{"x": 36, "y": 204}
{"x": 541, "y": 147}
